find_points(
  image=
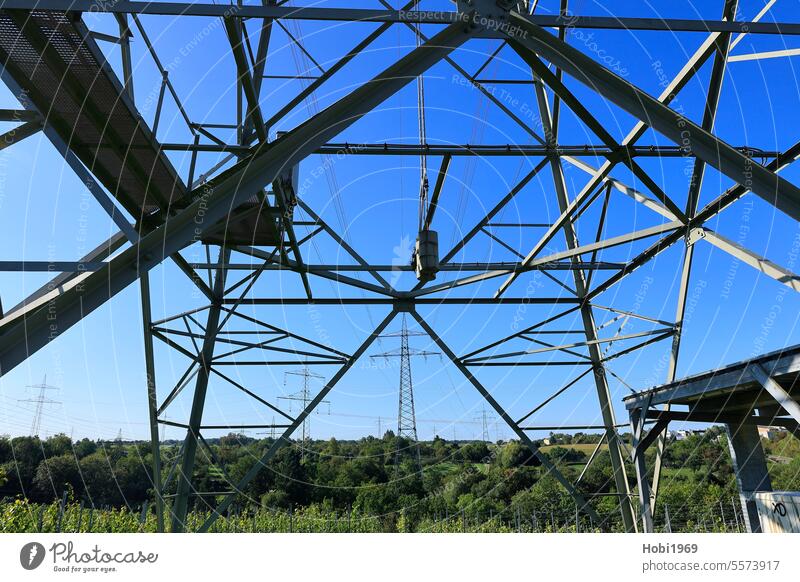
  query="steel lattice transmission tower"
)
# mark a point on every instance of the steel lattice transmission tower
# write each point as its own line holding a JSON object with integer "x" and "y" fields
{"x": 40, "y": 400}
{"x": 243, "y": 194}
{"x": 484, "y": 420}
{"x": 406, "y": 415}
{"x": 304, "y": 397}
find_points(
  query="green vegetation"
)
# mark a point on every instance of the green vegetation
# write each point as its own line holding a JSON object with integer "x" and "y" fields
{"x": 367, "y": 486}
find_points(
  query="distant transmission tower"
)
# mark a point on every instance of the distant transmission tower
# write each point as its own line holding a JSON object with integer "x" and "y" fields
{"x": 304, "y": 397}
{"x": 40, "y": 400}
{"x": 380, "y": 427}
{"x": 271, "y": 432}
{"x": 406, "y": 417}
{"x": 483, "y": 418}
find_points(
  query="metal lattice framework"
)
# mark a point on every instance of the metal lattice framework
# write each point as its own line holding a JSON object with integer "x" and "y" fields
{"x": 251, "y": 204}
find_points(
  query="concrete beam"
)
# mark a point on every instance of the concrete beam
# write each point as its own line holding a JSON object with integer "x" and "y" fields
{"x": 750, "y": 467}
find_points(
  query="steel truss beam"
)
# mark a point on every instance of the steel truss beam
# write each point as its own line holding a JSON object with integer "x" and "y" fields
{"x": 284, "y": 438}
{"x": 765, "y": 266}
{"x": 127, "y": 231}
{"x": 373, "y": 268}
{"x": 587, "y": 316}
{"x": 781, "y": 396}
{"x": 723, "y": 45}
{"x": 705, "y": 50}
{"x": 404, "y": 300}
{"x": 529, "y": 263}
{"x": 204, "y": 362}
{"x": 427, "y": 17}
{"x": 550, "y": 348}
{"x": 297, "y": 421}
{"x": 580, "y": 501}
{"x": 181, "y": 504}
{"x": 480, "y": 150}
{"x": 713, "y": 151}
{"x": 37, "y": 324}
{"x": 152, "y": 398}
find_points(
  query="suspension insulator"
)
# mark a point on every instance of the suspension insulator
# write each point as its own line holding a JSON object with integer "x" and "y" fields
{"x": 426, "y": 255}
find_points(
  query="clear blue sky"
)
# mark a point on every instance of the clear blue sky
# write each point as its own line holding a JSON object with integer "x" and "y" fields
{"x": 46, "y": 213}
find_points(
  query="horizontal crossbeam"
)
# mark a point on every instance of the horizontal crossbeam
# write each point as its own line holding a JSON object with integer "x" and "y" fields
{"x": 374, "y": 15}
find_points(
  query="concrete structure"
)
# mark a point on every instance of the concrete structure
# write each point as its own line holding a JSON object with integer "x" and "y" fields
{"x": 761, "y": 392}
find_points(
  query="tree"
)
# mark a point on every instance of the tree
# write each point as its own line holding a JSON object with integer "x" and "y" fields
{"x": 290, "y": 475}
{"x": 441, "y": 451}
{"x": 57, "y": 445}
{"x": 559, "y": 454}
{"x": 5, "y": 450}
{"x": 56, "y": 475}
{"x": 515, "y": 454}
{"x": 101, "y": 487}
{"x": 133, "y": 478}
{"x": 26, "y": 454}
{"x": 546, "y": 496}
{"x": 84, "y": 447}
{"x": 599, "y": 476}
{"x": 475, "y": 452}
{"x": 786, "y": 477}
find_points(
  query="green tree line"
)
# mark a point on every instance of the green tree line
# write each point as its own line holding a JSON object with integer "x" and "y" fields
{"x": 380, "y": 478}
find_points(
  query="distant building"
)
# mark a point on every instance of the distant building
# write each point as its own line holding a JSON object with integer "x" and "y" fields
{"x": 680, "y": 435}
{"x": 770, "y": 432}
{"x": 545, "y": 441}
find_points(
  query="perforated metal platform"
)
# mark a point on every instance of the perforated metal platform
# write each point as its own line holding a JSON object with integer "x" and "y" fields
{"x": 253, "y": 223}
{"x": 66, "y": 77}
{"x": 53, "y": 58}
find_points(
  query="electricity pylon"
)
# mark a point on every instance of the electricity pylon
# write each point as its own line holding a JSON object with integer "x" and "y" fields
{"x": 40, "y": 400}
{"x": 406, "y": 416}
{"x": 304, "y": 397}
{"x": 484, "y": 420}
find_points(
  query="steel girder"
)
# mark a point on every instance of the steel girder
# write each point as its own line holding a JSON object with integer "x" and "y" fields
{"x": 571, "y": 151}
{"x": 710, "y": 149}
{"x": 28, "y": 330}
{"x": 152, "y": 398}
{"x": 589, "y": 326}
{"x": 184, "y": 476}
{"x": 723, "y": 44}
{"x": 401, "y": 16}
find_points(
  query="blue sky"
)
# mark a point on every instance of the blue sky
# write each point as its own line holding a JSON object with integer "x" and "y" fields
{"x": 46, "y": 213}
